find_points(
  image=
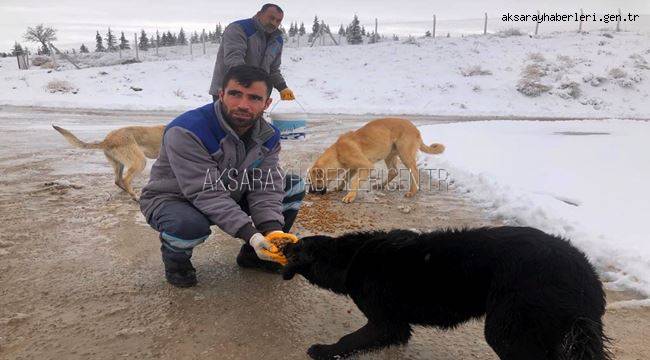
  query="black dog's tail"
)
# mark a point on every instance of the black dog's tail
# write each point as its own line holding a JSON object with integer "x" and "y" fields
{"x": 586, "y": 341}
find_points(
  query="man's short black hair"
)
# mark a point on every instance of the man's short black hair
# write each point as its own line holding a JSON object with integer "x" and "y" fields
{"x": 246, "y": 75}
{"x": 266, "y": 6}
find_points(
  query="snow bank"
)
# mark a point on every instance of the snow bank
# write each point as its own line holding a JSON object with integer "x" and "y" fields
{"x": 584, "y": 180}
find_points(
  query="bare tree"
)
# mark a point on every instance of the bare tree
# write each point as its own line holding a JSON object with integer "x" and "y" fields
{"x": 41, "y": 34}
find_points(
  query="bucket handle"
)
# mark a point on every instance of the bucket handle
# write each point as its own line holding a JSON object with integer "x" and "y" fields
{"x": 297, "y": 102}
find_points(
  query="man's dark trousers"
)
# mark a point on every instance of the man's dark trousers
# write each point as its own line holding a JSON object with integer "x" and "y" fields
{"x": 182, "y": 226}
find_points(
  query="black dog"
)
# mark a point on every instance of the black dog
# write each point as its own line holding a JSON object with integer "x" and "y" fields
{"x": 540, "y": 296}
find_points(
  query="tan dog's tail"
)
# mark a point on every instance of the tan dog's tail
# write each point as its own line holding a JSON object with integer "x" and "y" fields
{"x": 75, "y": 141}
{"x": 432, "y": 149}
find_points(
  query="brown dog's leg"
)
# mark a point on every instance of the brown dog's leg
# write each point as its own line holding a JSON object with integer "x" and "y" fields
{"x": 407, "y": 153}
{"x": 131, "y": 172}
{"x": 415, "y": 178}
{"x": 391, "y": 164}
{"x": 348, "y": 177}
{"x": 118, "y": 169}
{"x": 361, "y": 175}
{"x": 352, "y": 157}
{"x": 135, "y": 161}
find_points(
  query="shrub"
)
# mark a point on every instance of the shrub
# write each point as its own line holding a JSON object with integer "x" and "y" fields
{"x": 61, "y": 86}
{"x": 474, "y": 71}
{"x": 533, "y": 71}
{"x": 509, "y": 32}
{"x": 530, "y": 87}
{"x": 39, "y": 60}
{"x": 617, "y": 73}
{"x": 571, "y": 89}
{"x": 536, "y": 57}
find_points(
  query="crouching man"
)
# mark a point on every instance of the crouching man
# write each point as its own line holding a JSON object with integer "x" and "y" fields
{"x": 218, "y": 165}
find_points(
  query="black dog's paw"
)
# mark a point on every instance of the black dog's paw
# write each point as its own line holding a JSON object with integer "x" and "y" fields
{"x": 323, "y": 352}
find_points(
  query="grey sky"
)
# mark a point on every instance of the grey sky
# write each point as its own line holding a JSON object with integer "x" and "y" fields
{"x": 76, "y": 20}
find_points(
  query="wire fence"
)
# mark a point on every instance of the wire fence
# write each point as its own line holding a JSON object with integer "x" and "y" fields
{"x": 378, "y": 32}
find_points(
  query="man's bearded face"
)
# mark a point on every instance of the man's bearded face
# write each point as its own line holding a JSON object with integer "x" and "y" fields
{"x": 244, "y": 105}
{"x": 271, "y": 19}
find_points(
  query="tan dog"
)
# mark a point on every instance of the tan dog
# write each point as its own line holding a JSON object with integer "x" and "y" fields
{"x": 356, "y": 152}
{"x": 125, "y": 147}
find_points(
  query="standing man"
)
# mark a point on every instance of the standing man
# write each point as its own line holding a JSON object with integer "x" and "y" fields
{"x": 218, "y": 165}
{"x": 256, "y": 41}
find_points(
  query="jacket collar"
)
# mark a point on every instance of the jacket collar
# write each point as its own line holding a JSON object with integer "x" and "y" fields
{"x": 262, "y": 131}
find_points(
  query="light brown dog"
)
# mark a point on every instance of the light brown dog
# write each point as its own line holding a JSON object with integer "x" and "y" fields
{"x": 356, "y": 152}
{"x": 127, "y": 147}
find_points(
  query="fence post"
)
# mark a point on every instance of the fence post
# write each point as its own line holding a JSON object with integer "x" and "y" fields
{"x": 203, "y": 37}
{"x": 434, "y": 26}
{"x": 191, "y": 52}
{"x": 137, "y": 46}
{"x": 537, "y": 23}
{"x": 376, "y": 34}
{"x": 618, "y": 21}
{"x": 23, "y": 64}
{"x": 19, "y": 59}
{"x": 485, "y": 25}
{"x": 580, "y": 26}
{"x": 64, "y": 55}
{"x": 53, "y": 56}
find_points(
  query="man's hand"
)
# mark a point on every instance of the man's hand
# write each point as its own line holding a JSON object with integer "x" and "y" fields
{"x": 281, "y": 235}
{"x": 264, "y": 248}
{"x": 280, "y": 239}
{"x": 287, "y": 94}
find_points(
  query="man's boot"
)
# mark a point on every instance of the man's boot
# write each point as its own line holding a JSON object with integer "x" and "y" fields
{"x": 178, "y": 268}
{"x": 247, "y": 258}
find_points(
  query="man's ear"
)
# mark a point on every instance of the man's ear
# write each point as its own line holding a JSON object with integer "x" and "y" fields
{"x": 221, "y": 93}
{"x": 268, "y": 102}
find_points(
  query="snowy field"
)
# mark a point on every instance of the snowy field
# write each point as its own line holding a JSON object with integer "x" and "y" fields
{"x": 595, "y": 74}
{"x": 584, "y": 180}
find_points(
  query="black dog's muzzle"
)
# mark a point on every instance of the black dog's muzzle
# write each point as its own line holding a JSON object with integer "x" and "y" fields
{"x": 291, "y": 253}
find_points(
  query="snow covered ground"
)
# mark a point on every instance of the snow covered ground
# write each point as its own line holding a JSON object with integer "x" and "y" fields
{"x": 595, "y": 74}
{"x": 584, "y": 180}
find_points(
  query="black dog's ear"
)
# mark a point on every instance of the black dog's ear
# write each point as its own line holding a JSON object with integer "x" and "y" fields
{"x": 298, "y": 261}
